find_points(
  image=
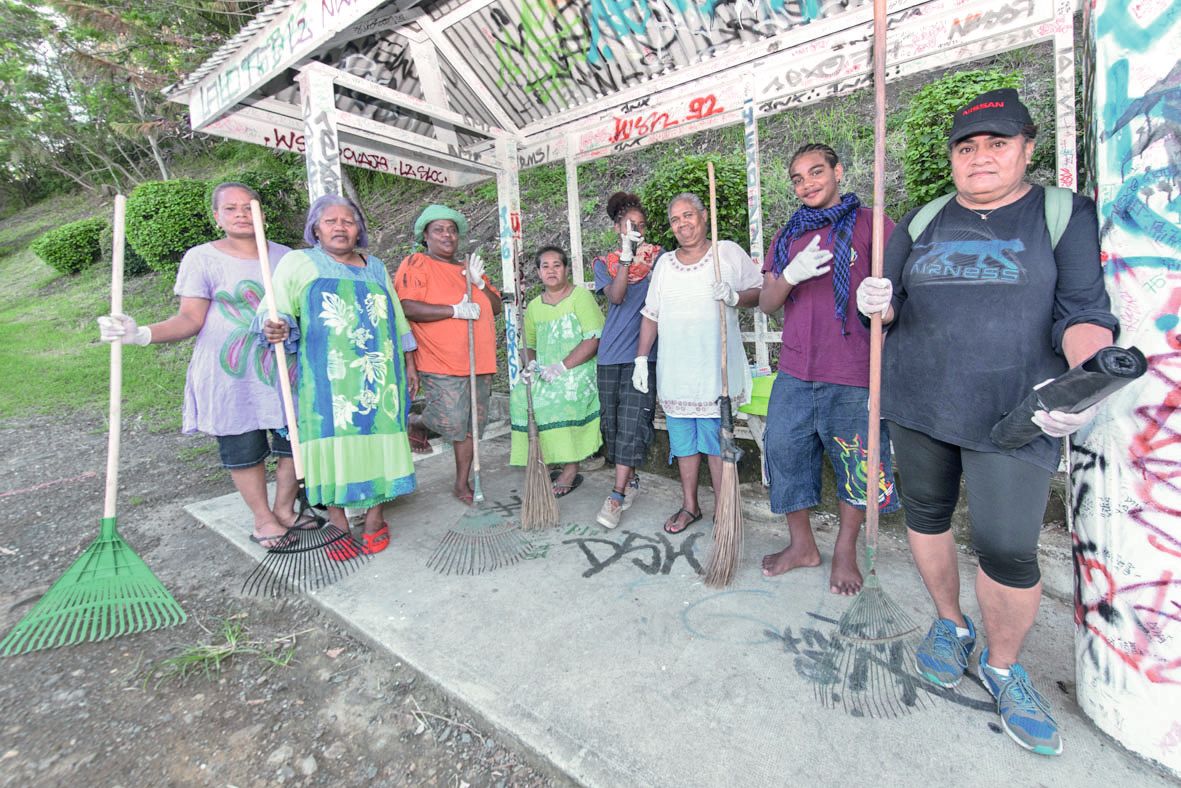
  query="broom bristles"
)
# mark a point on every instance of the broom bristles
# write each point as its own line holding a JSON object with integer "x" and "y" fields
{"x": 727, "y": 549}
{"x": 539, "y": 506}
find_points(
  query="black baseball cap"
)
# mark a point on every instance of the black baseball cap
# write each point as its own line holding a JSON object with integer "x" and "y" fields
{"x": 998, "y": 112}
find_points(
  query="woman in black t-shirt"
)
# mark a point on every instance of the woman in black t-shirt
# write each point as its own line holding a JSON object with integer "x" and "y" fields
{"x": 982, "y": 305}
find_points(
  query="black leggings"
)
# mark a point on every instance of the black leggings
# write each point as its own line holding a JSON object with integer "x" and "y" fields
{"x": 1006, "y": 501}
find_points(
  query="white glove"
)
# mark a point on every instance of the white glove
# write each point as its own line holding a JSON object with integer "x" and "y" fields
{"x": 640, "y": 375}
{"x": 724, "y": 293}
{"x": 808, "y": 264}
{"x": 466, "y": 310}
{"x": 529, "y": 370}
{"x": 475, "y": 270}
{"x": 874, "y": 295}
{"x": 552, "y": 372}
{"x": 628, "y": 242}
{"x": 113, "y": 328}
{"x": 1059, "y": 424}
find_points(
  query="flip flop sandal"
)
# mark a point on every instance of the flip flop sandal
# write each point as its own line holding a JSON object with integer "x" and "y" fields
{"x": 466, "y": 499}
{"x": 312, "y": 522}
{"x": 375, "y": 542}
{"x": 269, "y": 542}
{"x": 672, "y": 521}
{"x": 562, "y": 490}
{"x": 419, "y": 442}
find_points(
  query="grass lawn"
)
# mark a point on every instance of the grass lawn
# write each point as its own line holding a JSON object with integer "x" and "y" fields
{"x": 51, "y": 360}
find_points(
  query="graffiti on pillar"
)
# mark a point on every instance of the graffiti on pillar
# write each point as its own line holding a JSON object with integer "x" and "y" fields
{"x": 1126, "y": 468}
{"x": 322, "y": 155}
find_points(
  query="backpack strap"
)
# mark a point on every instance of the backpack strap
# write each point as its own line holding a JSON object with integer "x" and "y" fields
{"x": 925, "y": 215}
{"x": 1059, "y": 205}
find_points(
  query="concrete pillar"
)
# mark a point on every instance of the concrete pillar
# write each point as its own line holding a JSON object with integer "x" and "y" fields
{"x": 1126, "y": 468}
{"x": 508, "y": 195}
{"x": 321, "y": 143}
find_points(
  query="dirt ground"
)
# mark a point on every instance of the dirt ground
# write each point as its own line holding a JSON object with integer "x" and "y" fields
{"x": 109, "y": 714}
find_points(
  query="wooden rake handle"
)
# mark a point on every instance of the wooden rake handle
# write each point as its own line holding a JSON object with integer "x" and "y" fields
{"x": 471, "y": 360}
{"x": 264, "y": 262}
{"x": 874, "y": 438}
{"x": 115, "y": 395}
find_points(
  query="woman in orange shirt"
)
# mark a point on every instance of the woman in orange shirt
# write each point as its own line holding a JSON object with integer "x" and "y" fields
{"x": 432, "y": 287}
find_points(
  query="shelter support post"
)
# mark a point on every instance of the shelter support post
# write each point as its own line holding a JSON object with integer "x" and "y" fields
{"x": 1126, "y": 490}
{"x": 574, "y": 214}
{"x": 321, "y": 141}
{"x": 508, "y": 197}
{"x": 1064, "y": 93}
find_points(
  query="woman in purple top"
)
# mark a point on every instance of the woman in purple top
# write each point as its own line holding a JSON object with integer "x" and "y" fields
{"x": 230, "y": 388}
{"x": 625, "y": 412}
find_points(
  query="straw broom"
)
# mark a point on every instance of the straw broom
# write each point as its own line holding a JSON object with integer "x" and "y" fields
{"x": 727, "y": 550}
{"x": 539, "y": 505}
{"x": 867, "y": 666}
{"x": 108, "y": 591}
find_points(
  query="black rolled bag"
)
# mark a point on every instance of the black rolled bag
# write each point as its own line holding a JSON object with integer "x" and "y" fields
{"x": 1077, "y": 389}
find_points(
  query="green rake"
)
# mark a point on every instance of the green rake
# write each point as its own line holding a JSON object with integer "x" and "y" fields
{"x": 108, "y": 591}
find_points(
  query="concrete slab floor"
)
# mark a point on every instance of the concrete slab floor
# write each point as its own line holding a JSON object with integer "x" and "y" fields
{"x": 605, "y": 653}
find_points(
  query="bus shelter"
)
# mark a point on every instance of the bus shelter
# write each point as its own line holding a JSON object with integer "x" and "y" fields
{"x": 459, "y": 91}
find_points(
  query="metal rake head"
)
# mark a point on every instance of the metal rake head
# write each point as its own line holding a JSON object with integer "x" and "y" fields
{"x": 305, "y": 561}
{"x": 480, "y": 542}
{"x": 868, "y": 666}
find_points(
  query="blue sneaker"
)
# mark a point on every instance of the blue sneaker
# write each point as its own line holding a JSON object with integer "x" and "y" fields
{"x": 942, "y": 657}
{"x": 1025, "y": 714}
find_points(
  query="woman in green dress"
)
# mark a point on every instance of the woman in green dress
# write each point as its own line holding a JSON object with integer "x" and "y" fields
{"x": 562, "y": 329}
{"x": 356, "y": 369}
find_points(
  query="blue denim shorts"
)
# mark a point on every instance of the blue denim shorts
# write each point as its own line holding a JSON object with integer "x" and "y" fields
{"x": 688, "y": 436}
{"x": 807, "y": 420}
{"x": 251, "y": 448}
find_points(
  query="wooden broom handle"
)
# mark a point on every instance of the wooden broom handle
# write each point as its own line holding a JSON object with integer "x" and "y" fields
{"x": 264, "y": 262}
{"x": 115, "y": 414}
{"x": 713, "y": 234}
{"x": 471, "y": 359}
{"x": 874, "y": 438}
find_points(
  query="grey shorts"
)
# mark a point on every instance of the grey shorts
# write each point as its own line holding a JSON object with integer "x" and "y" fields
{"x": 448, "y": 408}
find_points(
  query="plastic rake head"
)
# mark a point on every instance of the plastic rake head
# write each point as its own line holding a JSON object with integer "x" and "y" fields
{"x": 108, "y": 591}
{"x": 480, "y": 542}
{"x": 306, "y": 561}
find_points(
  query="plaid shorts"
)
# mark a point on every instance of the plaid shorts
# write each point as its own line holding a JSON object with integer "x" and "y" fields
{"x": 625, "y": 414}
{"x": 448, "y": 409}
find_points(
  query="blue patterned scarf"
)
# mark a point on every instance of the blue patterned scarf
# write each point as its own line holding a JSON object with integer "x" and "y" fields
{"x": 842, "y": 217}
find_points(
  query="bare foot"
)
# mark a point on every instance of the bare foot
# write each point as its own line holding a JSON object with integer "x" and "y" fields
{"x": 268, "y": 528}
{"x": 285, "y": 519}
{"x": 463, "y": 494}
{"x": 846, "y": 577}
{"x": 788, "y": 559}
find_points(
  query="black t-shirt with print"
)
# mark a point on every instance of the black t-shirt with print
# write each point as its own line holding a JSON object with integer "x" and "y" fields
{"x": 981, "y": 306}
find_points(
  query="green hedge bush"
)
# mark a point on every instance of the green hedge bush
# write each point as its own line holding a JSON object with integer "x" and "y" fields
{"x": 688, "y": 174}
{"x": 165, "y": 218}
{"x": 284, "y": 202}
{"x": 926, "y": 172}
{"x": 71, "y": 247}
{"x": 133, "y": 263}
